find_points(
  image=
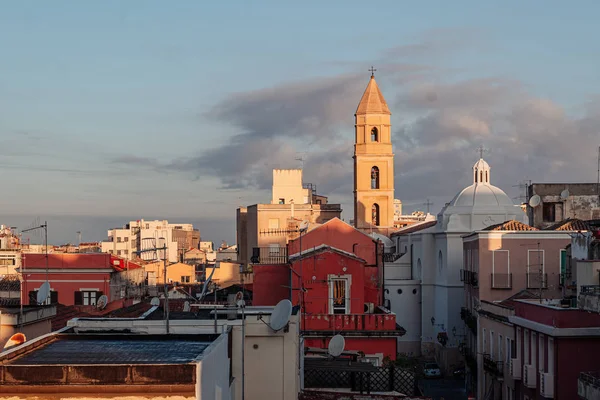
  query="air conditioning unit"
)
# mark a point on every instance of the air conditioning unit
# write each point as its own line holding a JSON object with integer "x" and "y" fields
{"x": 515, "y": 368}
{"x": 529, "y": 376}
{"x": 369, "y": 308}
{"x": 547, "y": 385}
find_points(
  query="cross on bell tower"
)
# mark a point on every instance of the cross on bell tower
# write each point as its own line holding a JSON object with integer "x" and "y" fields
{"x": 372, "y": 71}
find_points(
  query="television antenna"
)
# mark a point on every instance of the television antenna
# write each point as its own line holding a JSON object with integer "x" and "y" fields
{"x": 102, "y": 302}
{"x": 428, "y": 204}
{"x": 336, "y": 345}
{"x": 300, "y": 157}
{"x": 280, "y": 316}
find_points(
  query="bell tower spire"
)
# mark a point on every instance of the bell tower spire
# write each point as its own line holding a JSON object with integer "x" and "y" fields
{"x": 373, "y": 161}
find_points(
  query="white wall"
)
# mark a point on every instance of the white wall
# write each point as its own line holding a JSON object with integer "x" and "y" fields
{"x": 212, "y": 373}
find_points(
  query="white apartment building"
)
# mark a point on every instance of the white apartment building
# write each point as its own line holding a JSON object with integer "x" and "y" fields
{"x": 140, "y": 235}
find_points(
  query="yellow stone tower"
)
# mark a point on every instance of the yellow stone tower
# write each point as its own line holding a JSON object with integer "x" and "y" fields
{"x": 373, "y": 162}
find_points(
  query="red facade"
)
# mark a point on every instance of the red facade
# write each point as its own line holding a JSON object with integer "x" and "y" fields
{"x": 75, "y": 278}
{"x": 557, "y": 343}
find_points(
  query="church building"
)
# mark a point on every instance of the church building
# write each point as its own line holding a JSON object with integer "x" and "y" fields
{"x": 373, "y": 163}
{"x": 432, "y": 257}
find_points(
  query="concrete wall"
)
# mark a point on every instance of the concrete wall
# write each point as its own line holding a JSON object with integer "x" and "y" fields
{"x": 583, "y": 202}
{"x": 287, "y": 185}
{"x": 212, "y": 372}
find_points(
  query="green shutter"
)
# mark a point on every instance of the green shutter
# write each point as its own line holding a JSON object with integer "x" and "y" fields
{"x": 563, "y": 266}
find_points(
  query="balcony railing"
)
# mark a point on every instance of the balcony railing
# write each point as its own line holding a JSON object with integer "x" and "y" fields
{"x": 535, "y": 280}
{"x": 590, "y": 290}
{"x": 470, "y": 319}
{"x": 495, "y": 368}
{"x": 501, "y": 281}
{"x": 588, "y": 385}
{"x": 469, "y": 277}
{"x": 269, "y": 255}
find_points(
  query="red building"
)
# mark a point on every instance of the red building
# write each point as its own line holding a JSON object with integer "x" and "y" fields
{"x": 75, "y": 278}
{"x": 553, "y": 345}
{"x": 337, "y": 280}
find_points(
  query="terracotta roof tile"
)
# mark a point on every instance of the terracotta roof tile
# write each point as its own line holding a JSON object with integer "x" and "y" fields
{"x": 511, "y": 225}
{"x": 10, "y": 283}
{"x": 372, "y": 101}
{"x": 414, "y": 228}
{"x": 569, "y": 224}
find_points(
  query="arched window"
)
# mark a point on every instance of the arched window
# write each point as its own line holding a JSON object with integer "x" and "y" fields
{"x": 481, "y": 176}
{"x": 375, "y": 214}
{"x": 374, "y": 178}
{"x": 476, "y": 174}
{"x": 374, "y": 135}
{"x": 487, "y": 177}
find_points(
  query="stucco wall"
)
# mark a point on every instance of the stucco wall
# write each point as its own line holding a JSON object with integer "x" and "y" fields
{"x": 212, "y": 379}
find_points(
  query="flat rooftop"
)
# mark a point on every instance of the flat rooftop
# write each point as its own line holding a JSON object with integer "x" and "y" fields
{"x": 130, "y": 349}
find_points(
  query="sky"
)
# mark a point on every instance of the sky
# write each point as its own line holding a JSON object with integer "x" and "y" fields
{"x": 114, "y": 110}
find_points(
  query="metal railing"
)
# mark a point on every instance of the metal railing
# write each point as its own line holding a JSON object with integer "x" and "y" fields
{"x": 535, "y": 280}
{"x": 590, "y": 290}
{"x": 269, "y": 255}
{"x": 495, "y": 368}
{"x": 501, "y": 281}
{"x": 469, "y": 277}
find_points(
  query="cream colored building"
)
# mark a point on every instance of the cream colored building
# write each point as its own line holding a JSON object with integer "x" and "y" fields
{"x": 373, "y": 163}
{"x": 140, "y": 235}
{"x": 176, "y": 272}
{"x": 268, "y": 227}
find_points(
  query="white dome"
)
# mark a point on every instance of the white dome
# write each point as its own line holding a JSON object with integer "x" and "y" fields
{"x": 482, "y": 194}
{"x": 387, "y": 242}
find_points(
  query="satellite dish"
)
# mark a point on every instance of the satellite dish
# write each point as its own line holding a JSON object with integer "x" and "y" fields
{"x": 205, "y": 287}
{"x": 43, "y": 293}
{"x": 186, "y": 306}
{"x": 303, "y": 226}
{"x": 102, "y": 302}
{"x": 336, "y": 345}
{"x": 534, "y": 201}
{"x": 155, "y": 301}
{"x": 15, "y": 340}
{"x": 564, "y": 195}
{"x": 281, "y": 315}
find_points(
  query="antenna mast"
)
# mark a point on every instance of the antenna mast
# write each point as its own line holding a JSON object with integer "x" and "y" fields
{"x": 598, "y": 179}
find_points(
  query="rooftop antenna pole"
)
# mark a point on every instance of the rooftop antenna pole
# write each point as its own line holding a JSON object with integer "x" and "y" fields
{"x": 156, "y": 250}
{"x": 598, "y": 179}
{"x": 79, "y": 237}
{"x": 44, "y": 226}
{"x": 243, "y": 339}
{"x": 541, "y": 271}
{"x": 428, "y": 203}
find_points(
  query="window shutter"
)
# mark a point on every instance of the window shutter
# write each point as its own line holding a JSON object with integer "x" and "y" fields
{"x": 78, "y": 298}
{"x": 33, "y": 298}
{"x": 53, "y": 297}
{"x": 98, "y": 295}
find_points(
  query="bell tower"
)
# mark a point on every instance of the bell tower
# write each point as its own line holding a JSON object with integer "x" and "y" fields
{"x": 373, "y": 161}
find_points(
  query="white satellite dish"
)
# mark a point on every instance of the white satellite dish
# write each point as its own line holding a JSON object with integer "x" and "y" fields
{"x": 564, "y": 195}
{"x": 281, "y": 315}
{"x": 155, "y": 301}
{"x": 303, "y": 226}
{"x": 336, "y": 345}
{"x": 239, "y": 299}
{"x": 43, "y": 293}
{"x": 15, "y": 340}
{"x": 186, "y": 306}
{"x": 102, "y": 302}
{"x": 534, "y": 201}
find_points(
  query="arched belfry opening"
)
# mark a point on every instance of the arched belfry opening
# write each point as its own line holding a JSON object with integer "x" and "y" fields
{"x": 374, "y": 178}
{"x": 374, "y": 135}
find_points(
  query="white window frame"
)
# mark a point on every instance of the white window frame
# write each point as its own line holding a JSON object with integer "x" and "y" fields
{"x": 89, "y": 296}
{"x": 348, "y": 280}
{"x": 534, "y": 349}
{"x": 541, "y": 352}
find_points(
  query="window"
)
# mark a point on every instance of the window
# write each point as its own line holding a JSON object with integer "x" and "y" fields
{"x": 374, "y": 178}
{"x": 375, "y": 214}
{"x": 52, "y": 298}
{"x": 282, "y": 201}
{"x": 509, "y": 349}
{"x": 338, "y": 289}
{"x": 273, "y": 223}
{"x": 126, "y": 252}
{"x": 541, "y": 353}
{"x": 119, "y": 239}
{"x": 549, "y": 212}
{"x": 126, "y": 239}
{"x": 87, "y": 297}
{"x": 563, "y": 266}
{"x": 185, "y": 279}
{"x": 147, "y": 226}
{"x": 374, "y": 135}
{"x": 118, "y": 252}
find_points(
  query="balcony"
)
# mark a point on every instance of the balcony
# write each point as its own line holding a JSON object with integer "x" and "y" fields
{"x": 469, "y": 277}
{"x": 535, "y": 280}
{"x": 547, "y": 385}
{"x": 494, "y": 368}
{"x": 352, "y": 322}
{"x": 501, "y": 281}
{"x": 515, "y": 368}
{"x": 589, "y": 298}
{"x": 470, "y": 320}
{"x": 529, "y": 376}
{"x": 588, "y": 385}
{"x": 269, "y": 255}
